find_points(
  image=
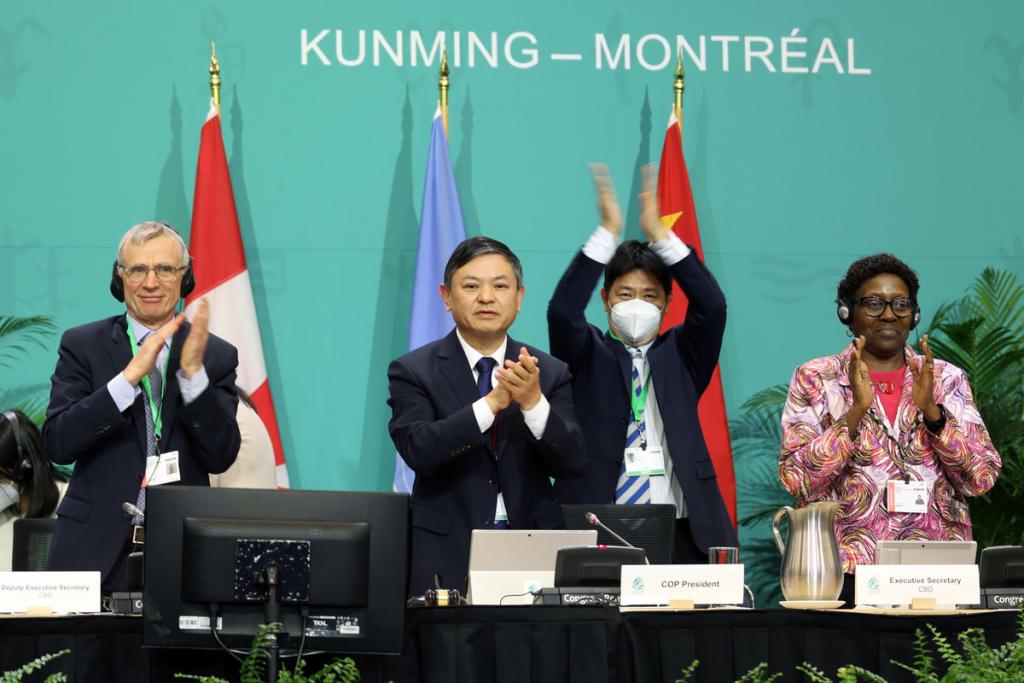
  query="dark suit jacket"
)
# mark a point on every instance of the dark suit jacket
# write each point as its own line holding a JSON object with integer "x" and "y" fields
{"x": 458, "y": 474}
{"x": 681, "y": 362}
{"x": 84, "y": 426}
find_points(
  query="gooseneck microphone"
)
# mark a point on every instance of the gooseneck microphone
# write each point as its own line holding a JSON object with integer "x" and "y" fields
{"x": 592, "y": 518}
{"x": 133, "y": 513}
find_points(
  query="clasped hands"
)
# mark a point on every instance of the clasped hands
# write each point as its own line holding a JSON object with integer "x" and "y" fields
{"x": 864, "y": 393}
{"x": 191, "y": 352}
{"x": 518, "y": 381}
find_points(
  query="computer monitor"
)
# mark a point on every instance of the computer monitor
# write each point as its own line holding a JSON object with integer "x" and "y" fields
{"x": 925, "y": 552}
{"x": 507, "y": 565}
{"x": 1002, "y": 566}
{"x": 651, "y": 527}
{"x": 338, "y": 561}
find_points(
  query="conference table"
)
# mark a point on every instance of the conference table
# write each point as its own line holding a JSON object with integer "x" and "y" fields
{"x": 536, "y": 644}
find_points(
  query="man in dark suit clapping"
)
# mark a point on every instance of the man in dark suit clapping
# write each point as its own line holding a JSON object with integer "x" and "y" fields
{"x": 483, "y": 420}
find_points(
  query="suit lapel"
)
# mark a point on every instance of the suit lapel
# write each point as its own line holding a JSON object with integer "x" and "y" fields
{"x": 454, "y": 367}
{"x": 623, "y": 359}
{"x": 172, "y": 392}
{"x": 120, "y": 356}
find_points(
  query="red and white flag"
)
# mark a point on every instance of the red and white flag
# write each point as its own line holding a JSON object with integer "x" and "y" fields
{"x": 222, "y": 277}
{"x": 677, "y": 214}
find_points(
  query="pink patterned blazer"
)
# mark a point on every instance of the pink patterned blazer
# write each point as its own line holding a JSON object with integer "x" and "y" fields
{"x": 820, "y": 462}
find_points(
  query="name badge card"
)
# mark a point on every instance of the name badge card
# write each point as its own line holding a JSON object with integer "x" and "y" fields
{"x": 907, "y": 497}
{"x": 162, "y": 469}
{"x": 59, "y": 592}
{"x": 660, "y": 584}
{"x": 889, "y": 584}
{"x": 649, "y": 461}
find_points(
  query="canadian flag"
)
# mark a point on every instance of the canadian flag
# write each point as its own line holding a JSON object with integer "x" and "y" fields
{"x": 222, "y": 277}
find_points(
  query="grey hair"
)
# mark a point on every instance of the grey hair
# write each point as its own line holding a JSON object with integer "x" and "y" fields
{"x": 143, "y": 232}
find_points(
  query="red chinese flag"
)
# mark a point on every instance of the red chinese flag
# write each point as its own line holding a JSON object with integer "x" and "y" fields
{"x": 222, "y": 277}
{"x": 677, "y": 213}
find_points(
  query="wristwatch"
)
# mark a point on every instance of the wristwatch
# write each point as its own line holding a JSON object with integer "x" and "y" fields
{"x": 937, "y": 426}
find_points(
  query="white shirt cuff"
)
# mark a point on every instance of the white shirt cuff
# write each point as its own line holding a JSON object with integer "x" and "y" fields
{"x": 536, "y": 418}
{"x": 191, "y": 388}
{"x": 671, "y": 250}
{"x": 484, "y": 416}
{"x": 601, "y": 245}
{"x": 122, "y": 391}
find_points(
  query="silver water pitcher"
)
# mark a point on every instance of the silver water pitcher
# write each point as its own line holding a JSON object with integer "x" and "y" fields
{"x": 811, "y": 569}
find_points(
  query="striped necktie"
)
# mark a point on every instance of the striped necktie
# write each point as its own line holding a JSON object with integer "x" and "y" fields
{"x": 156, "y": 381}
{"x": 634, "y": 490}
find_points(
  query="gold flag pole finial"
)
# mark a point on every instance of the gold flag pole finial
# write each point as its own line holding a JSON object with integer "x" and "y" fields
{"x": 680, "y": 85}
{"x": 214, "y": 76}
{"x": 442, "y": 85}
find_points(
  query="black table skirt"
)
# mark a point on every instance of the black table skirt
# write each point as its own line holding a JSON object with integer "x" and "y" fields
{"x": 534, "y": 644}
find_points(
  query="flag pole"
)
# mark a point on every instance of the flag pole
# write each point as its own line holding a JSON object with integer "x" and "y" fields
{"x": 442, "y": 85}
{"x": 214, "y": 77}
{"x": 679, "y": 86}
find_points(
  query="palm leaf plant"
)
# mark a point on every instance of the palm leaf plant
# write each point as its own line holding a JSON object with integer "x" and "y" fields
{"x": 18, "y": 335}
{"x": 983, "y": 334}
{"x": 756, "y": 436}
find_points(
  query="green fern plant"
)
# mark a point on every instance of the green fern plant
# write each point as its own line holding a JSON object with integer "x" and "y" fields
{"x": 36, "y": 664}
{"x": 687, "y": 674}
{"x": 983, "y": 334}
{"x": 255, "y": 663}
{"x": 759, "y": 674}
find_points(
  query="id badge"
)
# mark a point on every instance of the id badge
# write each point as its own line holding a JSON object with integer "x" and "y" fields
{"x": 162, "y": 469}
{"x": 904, "y": 497}
{"x": 649, "y": 461}
{"x": 500, "y": 514}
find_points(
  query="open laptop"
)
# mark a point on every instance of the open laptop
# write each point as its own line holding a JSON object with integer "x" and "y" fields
{"x": 925, "y": 552}
{"x": 506, "y": 565}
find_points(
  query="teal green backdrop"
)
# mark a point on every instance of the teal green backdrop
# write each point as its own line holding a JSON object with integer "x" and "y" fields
{"x": 908, "y": 138}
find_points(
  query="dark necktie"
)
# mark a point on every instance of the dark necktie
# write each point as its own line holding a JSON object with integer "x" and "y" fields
{"x": 485, "y": 366}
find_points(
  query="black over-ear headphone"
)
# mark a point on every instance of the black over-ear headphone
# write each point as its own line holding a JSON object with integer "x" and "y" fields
{"x": 844, "y": 310}
{"x": 188, "y": 280}
{"x": 22, "y": 470}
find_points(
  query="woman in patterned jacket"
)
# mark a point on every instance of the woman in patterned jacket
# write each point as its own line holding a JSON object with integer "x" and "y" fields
{"x": 892, "y": 435}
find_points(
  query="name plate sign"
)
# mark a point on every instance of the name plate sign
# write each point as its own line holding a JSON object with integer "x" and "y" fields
{"x": 660, "y": 584}
{"x": 58, "y": 592}
{"x": 947, "y": 584}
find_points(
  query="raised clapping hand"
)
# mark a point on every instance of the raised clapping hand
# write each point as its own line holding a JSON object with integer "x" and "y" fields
{"x": 924, "y": 383}
{"x": 521, "y": 380}
{"x": 650, "y": 213}
{"x": 607, "y": 203}
{"x": 195, "y": 344}
{"x": 145, "y": 357}
{"x": 860, "y": 383}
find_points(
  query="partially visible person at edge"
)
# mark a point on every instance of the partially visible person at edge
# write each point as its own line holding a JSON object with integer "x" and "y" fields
{"x": 879, "y": 416}
{"x": 30, "y": 487}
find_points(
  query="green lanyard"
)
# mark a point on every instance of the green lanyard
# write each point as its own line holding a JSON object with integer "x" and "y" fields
{"x": 637, "y": 403}
{"x": 147, "y": 389}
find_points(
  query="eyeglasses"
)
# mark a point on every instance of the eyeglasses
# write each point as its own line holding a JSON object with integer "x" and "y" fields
{"x": 901, "y": 306}
{"x": 165, "y": 272}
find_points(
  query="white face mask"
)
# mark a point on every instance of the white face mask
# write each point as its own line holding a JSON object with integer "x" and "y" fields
{"x": 635, "y": 320}
{"x": 8, "y": 495}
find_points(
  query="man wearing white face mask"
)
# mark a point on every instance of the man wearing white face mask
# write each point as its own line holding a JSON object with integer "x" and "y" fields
{"x": 635, "y": 391}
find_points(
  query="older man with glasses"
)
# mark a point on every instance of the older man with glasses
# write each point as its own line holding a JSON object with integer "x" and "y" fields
{"x": 139, "y": 399}
{"x": 892, "y": 435}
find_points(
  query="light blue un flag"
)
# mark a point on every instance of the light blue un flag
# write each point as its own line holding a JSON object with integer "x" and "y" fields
{"x": 441, "y": 230}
